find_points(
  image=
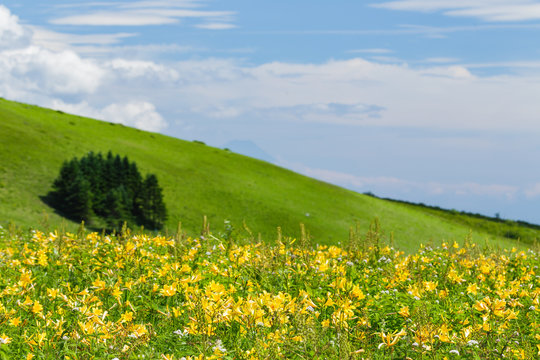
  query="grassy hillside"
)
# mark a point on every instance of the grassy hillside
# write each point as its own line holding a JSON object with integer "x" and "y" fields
{"x": 200, "y": 180}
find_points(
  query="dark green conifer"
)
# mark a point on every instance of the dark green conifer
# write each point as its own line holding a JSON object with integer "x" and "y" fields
{"x": 110, "y": 188}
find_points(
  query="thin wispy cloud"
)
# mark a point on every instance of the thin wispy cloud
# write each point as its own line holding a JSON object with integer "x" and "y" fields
{"x": 370, "y": 51}
{"x": 58, "y": 41}
{"x": 365, "y": 183}
{"x": 145, "y": 13}
{"x": 490, "y": 10}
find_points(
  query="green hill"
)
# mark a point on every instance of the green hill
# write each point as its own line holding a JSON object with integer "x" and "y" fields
{"x": 200, "y": 180}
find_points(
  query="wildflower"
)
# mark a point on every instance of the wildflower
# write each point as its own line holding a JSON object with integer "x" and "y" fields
{"x": 25, "y": 279}
{"x": 404, "y": 311}
{"x": 15, "y": 321}
{"x": 52, "y": 293}
{"x": 472, "y": 343}
{"x": 127, "y": 316}
{"x": 4, "y": 339}
{"x": 391, "y": 339}
{"x": 454, "y": 352}
{"x": 219, "y": 347}
{"x": 27, "y": 301}
{"x": 182, "y": 333}
{"x": 168, "y": 290}
{"x": 37, "y": 308}
{"x": 472, "y": 289}
{"x": 430, "y": 285}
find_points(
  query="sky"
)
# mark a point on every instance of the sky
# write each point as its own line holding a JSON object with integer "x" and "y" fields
{"x": 433, "y": 101}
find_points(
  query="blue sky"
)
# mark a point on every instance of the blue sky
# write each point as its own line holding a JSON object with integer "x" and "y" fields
{"x": 434, "y": 101}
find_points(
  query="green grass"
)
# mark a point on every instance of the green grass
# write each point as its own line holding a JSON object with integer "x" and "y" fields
{"x": 200, "y": 180}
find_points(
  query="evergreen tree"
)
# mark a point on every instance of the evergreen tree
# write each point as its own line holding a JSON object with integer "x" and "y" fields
{"x": 110, "y": 188}
{"x": 71, "y": 192}
{"x": 153, "y": 207}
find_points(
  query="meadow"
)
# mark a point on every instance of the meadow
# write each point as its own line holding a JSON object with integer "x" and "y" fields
{"x": 87, "y": 295}
{"x": 200, "y": 180}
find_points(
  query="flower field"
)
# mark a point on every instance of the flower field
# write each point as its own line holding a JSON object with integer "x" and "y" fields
{"x": 84, "y": 296}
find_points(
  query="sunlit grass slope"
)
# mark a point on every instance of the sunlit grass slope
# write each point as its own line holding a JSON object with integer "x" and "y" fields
{"x": 200, "y": 180}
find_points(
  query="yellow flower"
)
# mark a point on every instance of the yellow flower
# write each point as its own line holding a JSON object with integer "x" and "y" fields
{"x": 430, "y": 285}
{"x": 404, "y": 311}
{"x": 15, "y": 321}
{"x": 357, "y": 292}
{"x": 25, "y": 279}
{"x": 391, "y": 339}
{"x": 37, "y": 308}
{"x": 27, "y": 301}
{"x": 4, "y": 339}
{"x": 472, "y": 289}
{"x": 127, "y": 316}
{"x": 99, "y": 285}
{"x": 53, "y": 293}
{"x": 168, "y": 290}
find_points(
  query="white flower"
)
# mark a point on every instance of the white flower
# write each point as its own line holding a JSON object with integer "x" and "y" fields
{"x": 454, "y": 352}
{"x": 181, "y": 333}
{"x": 219, "y": 346}
{"x": 472, "y": 342}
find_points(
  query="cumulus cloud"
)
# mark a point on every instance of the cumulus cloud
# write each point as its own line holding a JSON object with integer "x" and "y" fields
{"x": 430, "y": 96}
{"x": 56, "y": 79}
{"x": 142, "y": 115}
{"x": 38, "y": 70}
{"x": 12, "y": 34}
{"x": 139, "y": 114}
{"x": 132, "y": 69}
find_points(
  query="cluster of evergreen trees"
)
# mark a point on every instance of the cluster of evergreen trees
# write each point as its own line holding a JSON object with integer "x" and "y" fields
{"x": 111, "y": 188}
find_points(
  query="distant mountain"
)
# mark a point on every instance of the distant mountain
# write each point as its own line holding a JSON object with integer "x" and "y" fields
{"x": 249, "y": 148}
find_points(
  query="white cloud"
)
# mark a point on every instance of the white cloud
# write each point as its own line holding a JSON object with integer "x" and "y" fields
{"x": 216, "y": 26}
{"x": 132, "y": 69}
{"x": 61, "y": 41}
{"x": 139, "y": 114}
{"x": 115, "y": 19}
{"x": 38, "y": 70}
{"x": 439, "y": 97}
{"x": 146, "y": 13}
{"x": 47, "y": 77}
{"x": 488, "y": 10}
{"x": 142, "y": 115}
{"x": 334, "y": 113}
{"x": 12, "y": 34}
